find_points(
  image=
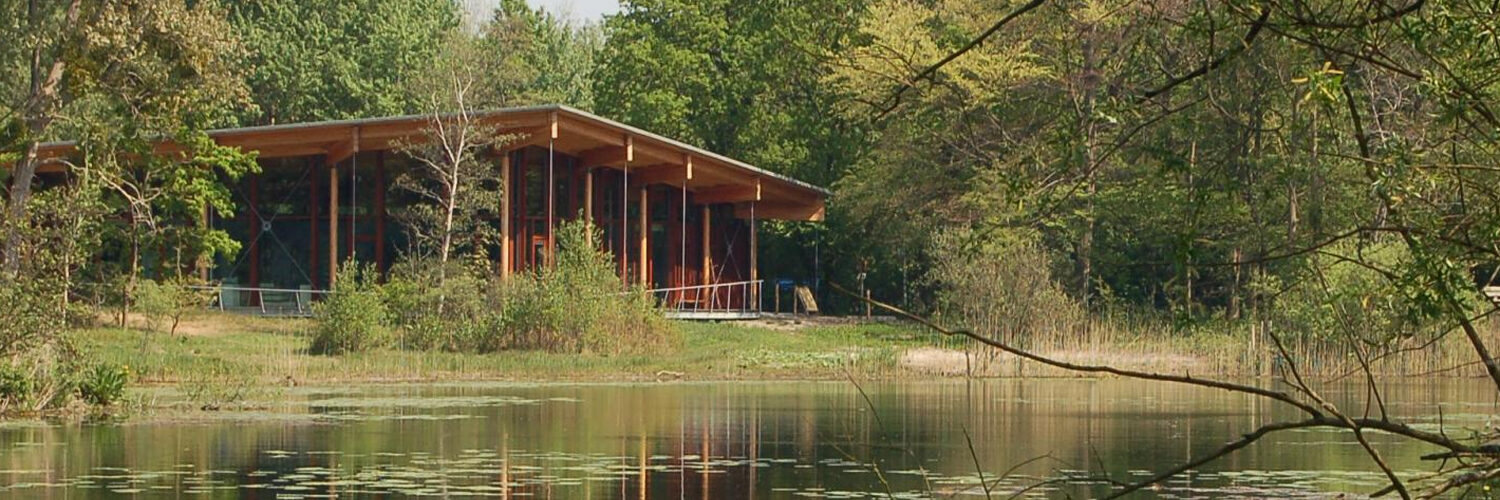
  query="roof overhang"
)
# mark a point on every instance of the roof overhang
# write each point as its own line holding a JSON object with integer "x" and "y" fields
{"x": 596, "y": 141}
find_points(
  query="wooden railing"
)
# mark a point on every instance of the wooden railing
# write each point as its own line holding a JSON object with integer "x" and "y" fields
{"x": 735, "y": 298}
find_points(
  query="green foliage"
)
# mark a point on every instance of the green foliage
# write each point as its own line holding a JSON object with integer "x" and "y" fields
{"x": 222, "y": 385}
{"x": 740, "y": 78}
{"x": 455, "y": 313}
{"x": 335, "y": 59}
{"x": 16, "y": 387}
{"x": 1003, "y": 287}
{"x": 103, "y": 384}
{"x": 353, "y": 318}
{"x": 33, "y": 316}
{"x": 578, "y": 305}
{"x": 167, "y": 302}
{"x": 550, "y": 59}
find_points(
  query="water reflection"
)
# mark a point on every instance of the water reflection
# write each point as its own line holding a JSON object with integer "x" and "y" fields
{"x": 720, "y": 440}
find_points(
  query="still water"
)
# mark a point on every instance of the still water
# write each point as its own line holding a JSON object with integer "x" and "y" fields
{"x": 721, "y": 440}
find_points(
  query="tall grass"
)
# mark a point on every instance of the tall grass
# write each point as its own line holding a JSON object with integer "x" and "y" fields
{"x": 1007, "y": 293}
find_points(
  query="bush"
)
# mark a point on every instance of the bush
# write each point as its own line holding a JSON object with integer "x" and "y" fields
{"x": 353, "y": 318}
{"x": 578, "y": 304}
{"x": 33, "y": 316}
{"x": 455, "y": 315}
{"x": 103, "y": 384}
{"x": 169, "y": 301}
{"x": 1002, "y": 286}
{"x": 16, "y": 387}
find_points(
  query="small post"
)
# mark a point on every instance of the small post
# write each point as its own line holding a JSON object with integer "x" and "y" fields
{"x": 867, "y": 304}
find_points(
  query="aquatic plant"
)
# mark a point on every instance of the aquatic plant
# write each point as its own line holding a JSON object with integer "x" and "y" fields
{"x": 103, "y": 384}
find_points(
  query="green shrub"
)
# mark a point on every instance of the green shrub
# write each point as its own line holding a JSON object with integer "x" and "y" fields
{"x": 353, "y": 318}
{"x": 103, "y": 384}
{"x": 167, "y": 302}
{"x": 451, "y": 316}
{"x": 1002, "y": 285}
{"x": 578, "y": 304}
{"x": 32, "y": 314}
{"x": 16, "y": 387}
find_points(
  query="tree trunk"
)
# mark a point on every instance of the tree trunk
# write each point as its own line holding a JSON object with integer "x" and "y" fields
{"x": 15, "y": 210}
{"x": 38, "y": 115}
{"x": 135, "y": 265}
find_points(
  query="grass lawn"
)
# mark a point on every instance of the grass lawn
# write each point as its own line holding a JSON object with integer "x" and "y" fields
{"x": 215, "y": 348}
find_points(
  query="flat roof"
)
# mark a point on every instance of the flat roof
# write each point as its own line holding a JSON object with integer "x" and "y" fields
{"x": 595, "y": 140}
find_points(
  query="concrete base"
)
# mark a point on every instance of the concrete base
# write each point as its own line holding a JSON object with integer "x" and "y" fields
{"x": 713, "y": 315}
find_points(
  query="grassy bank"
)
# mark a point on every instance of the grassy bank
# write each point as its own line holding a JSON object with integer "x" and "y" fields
{"x": 217, "y": 355}
{"x": 274, "y": 351}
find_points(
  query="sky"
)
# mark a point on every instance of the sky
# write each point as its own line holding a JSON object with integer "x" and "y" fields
{"x": 583, "y": 10}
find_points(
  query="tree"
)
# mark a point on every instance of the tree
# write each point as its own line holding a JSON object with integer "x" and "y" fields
{"x": 557, "y": 55}
{"x": 165, "y": 64}
{"x": 338, "y": 59}
{"x": 154, "y": 190}
{"x": 1337, "y": 150}
{"x": 451, "y": 170}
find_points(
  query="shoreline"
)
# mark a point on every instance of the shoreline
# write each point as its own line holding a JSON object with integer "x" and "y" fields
{"x": 217, "y": 349}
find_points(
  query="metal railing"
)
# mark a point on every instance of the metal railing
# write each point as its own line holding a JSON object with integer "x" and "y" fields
{"x": 739, "y": 297}
{"x": 263, "y": 301}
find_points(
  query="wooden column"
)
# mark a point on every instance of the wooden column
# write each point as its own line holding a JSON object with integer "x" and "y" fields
{"x": 551, "y": 257}
{"x": 624, "y": 215}
{"x": 754, "y": 260}
{"x": 333, "y": 224}
{"x": 505, "y": 240}
{"x": 687, "y": 161}
{"x": 644, "y": 238}
{"x": 708, "y": 252}
{"x": 588, "y": 205}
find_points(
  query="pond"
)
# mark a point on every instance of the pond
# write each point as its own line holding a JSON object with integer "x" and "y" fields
{"x": 721, "y": 440}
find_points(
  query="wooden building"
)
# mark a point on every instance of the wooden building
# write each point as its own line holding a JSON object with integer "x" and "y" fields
{"x": 677, "y": 218}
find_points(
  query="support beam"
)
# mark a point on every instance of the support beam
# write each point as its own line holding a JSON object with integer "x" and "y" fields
{"x": 343, "y": 150}
{"x": 727, "y": 194}
{"x": 708, "y": 253}
{"x": 657, "y": 174}
{"x": 608, "y": 155}
{"x": 754, "y": 261}
{"x": 551, "y": 255}
{"x": 811, "y": 213}
{"x": 333, "y": 224}
{"x": 644, "y": 238}
{"x": 535, "y": 136}
{"x": 588, "y": 206}
{"x": 505, "y": 242}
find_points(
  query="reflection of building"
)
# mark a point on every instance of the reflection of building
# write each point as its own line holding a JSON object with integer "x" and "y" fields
{"x": 678, "y": 218}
